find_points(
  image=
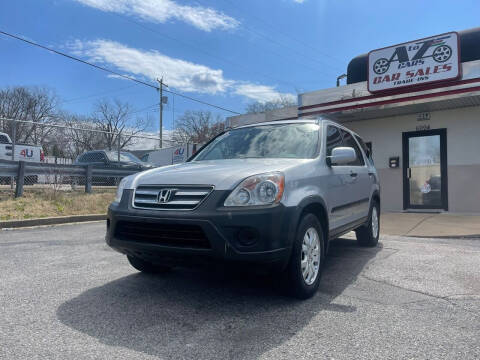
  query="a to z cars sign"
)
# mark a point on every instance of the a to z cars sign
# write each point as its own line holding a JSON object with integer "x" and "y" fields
{"x": 418, "y": 62}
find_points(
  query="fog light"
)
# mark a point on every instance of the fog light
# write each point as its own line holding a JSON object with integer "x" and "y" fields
{"x": 247, "y": 237}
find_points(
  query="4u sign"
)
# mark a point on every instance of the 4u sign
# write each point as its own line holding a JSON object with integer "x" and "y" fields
{"x": 417, "y": 62}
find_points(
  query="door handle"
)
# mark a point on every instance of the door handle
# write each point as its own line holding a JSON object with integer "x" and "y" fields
{"x": 353, "y": 174}
{"x": 409, "y": 173}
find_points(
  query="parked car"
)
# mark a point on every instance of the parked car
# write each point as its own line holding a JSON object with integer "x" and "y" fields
{"x": 110, "y": 159}
{"x": 272, "y": 193}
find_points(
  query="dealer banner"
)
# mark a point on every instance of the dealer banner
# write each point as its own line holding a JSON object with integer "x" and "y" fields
{"x": 417, "y": 62}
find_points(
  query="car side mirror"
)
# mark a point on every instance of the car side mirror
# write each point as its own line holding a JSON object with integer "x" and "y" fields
{"x": 341, "y": 156}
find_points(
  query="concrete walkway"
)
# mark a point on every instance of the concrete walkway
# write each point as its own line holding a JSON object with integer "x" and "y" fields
{"x": 430, "y": 225}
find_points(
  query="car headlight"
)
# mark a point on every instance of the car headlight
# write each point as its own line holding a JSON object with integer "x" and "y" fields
{"x": 120, "y": 188}
{"x": 262, "y": 189}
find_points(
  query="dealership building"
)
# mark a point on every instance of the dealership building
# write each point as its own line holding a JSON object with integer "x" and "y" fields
{"x": 417, "y": 105}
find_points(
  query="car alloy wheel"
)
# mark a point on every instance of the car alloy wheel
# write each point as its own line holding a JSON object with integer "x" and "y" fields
{"x": 310, "y": 259}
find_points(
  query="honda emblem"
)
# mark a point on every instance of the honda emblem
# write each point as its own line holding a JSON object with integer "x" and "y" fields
{"x": 164, "y": 195}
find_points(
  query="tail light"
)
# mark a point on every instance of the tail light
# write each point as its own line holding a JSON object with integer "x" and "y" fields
{"x": 42, "y": 156}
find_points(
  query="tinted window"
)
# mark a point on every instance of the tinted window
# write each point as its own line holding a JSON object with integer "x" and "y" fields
{"x": 92, "y": 157}
{"x": 334, "y": 139}
{"x": 4, "y": 139}
{"x": 366, "y": 147}
{"x": 349, "y": 141}
{"x": 266, "y": 141}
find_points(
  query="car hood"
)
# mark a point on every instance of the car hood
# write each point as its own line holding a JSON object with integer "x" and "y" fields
{"x": 223, "y": 174}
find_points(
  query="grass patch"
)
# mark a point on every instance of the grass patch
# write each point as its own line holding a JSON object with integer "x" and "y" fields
{"x": 46, "y": 203}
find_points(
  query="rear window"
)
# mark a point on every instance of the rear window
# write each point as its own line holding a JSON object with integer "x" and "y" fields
{"x": 4, "y": 139}
{"x": 91, "y": 157}
{"x": 124, "y": 156}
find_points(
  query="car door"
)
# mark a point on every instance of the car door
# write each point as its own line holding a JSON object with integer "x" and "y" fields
{"x": 360, "y": 181}
{"x": 338, "y": 192}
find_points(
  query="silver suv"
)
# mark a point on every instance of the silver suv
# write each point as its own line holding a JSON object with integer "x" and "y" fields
{"x": 271, "y": 194}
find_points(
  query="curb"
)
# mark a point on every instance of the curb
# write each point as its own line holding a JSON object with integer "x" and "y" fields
{"x": 51, "y": 221}
{"x": 458, "y": 237}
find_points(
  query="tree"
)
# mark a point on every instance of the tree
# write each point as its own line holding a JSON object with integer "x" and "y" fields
{"x": 75, "y": 141}
{"x": 197, "y": 127}
{"x": 115, "y": 120}
{"x": 36, "y": 105}
{"x": 281, "y": 102}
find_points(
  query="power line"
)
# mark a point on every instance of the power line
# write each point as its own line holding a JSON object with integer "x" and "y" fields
{"x": 199, "y": 101}
{"x": 97, "y": 94}
{"x": 80, "y": 129}
{"x": 269, "y": 25}
{"x": 150, "y": 107}
{"x": 216, "y": 57}
{"x": 291, "y": 50}
{"x": 77, "y": 59}
{"x": 111, "y": 71}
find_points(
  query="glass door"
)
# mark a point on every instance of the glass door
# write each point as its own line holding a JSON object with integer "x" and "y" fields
{"x": 424, "y": 165}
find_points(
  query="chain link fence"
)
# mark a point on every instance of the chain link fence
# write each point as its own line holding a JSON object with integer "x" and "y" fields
{"x": 73, "y": 160}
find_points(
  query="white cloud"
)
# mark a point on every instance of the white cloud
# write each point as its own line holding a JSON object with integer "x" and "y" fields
{"x": 160, "y": 11}
{"x": 180, "y": 74}
{"x": 261, "y": 93}
{"x": 113, "y": 76}
{"x": 299, "y": 1}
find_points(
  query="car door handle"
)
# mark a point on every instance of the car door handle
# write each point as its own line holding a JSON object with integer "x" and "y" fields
{"x": 353, "y": 174}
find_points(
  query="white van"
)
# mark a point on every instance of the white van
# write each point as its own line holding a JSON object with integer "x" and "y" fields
{"x": 30, "y": 153}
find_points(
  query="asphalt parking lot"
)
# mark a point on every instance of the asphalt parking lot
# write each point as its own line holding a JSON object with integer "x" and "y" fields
{"x": 65, "y": 295}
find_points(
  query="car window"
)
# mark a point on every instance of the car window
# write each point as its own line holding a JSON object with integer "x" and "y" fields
{"x": 292, "y": 140}
{"x": 124, "y": 157}
{"x": 4, "y": 139}
{"x": 366, "y": 147}
{"x": 349, "y": 141}
{"x": 92, "y": 157}
{"x": 334, "y": 139}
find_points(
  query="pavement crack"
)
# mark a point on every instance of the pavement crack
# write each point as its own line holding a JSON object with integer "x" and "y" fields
{"x": 445, "y": 298}
{"x": 419, "y": 223}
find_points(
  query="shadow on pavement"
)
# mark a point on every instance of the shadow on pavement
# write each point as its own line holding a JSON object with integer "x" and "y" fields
{"x": 208, "y": 315}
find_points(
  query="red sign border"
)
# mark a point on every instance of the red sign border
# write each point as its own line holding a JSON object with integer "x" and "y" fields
{"x": 458, "y": 76}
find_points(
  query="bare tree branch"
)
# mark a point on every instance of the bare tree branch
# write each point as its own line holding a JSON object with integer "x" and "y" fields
{"x": 259, "y": 107}
{"x": 197, "y": 127}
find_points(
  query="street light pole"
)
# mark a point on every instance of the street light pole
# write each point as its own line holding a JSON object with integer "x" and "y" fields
{"x": 160, "y": 88}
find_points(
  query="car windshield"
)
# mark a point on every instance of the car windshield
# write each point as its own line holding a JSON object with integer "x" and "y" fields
{"x": 124, "y": 156}
{"x": 266, "y": 141}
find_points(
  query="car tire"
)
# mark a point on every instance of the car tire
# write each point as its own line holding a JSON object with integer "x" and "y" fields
{"x": 305, "y": 266}
{"x": 147, "y": 267}
{"x": 368, "y": 234}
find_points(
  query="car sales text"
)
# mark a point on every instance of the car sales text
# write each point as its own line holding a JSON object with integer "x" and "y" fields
{"x": 411, "y": 76}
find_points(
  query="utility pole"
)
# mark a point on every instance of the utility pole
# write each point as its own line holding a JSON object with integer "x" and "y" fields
{"x": 160, "y": 88}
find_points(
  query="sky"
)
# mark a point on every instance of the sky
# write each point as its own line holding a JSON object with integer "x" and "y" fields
{"x": 226, "y": 52}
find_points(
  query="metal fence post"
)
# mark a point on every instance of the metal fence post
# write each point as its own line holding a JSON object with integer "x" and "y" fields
{"x": 88, "y": 179}
{"x": 20, "y": 179}
{"x": 14, "y": 141}
{"x": 118, "y": 147}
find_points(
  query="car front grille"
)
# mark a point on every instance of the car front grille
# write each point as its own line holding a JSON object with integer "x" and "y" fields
{"x": 173, "y": 235}
{"x": 157, "y": 197}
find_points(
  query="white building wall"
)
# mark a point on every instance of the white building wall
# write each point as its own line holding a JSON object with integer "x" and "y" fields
{"x": 463, "y": 154}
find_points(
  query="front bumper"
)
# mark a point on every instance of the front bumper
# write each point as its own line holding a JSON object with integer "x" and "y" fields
{"x": 256, "y": 235}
